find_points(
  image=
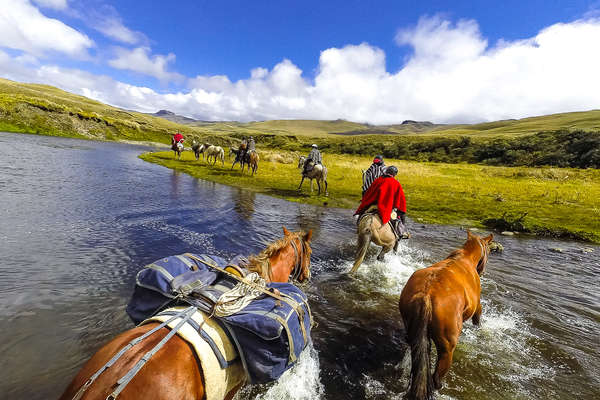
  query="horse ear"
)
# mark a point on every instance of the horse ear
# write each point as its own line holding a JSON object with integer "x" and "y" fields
{"x": 308, "y": 235}
{"x": 489, "y": 238}
{"x": 286, "y": 232}
{"x": 469, "y": 234}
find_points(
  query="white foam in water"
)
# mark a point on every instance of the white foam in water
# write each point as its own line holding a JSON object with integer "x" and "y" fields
{"x": 301, "y": 382}
{"x": 390, "y": 275}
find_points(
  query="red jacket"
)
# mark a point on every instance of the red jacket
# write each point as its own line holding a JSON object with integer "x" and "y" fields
{"x": 177, "y": 137}
{"x": 385, "y": 192}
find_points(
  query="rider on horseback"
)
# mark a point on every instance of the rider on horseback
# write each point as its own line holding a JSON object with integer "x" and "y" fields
{"x": 314, "y": 158}
{"x": 376, "y": 170}
{"x": 386, "y": 193}
{"x": 177, "y": 138}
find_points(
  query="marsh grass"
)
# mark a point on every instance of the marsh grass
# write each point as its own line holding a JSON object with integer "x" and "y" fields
{"x": 557, "y": 201}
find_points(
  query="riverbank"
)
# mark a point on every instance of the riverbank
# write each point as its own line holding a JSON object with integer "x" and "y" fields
{"x": 556, "y": 202}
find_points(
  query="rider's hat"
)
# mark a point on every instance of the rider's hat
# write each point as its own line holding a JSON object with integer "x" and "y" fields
{"x": 391, "y": 171}
{"x": 378, "y": 158}
{"x": 314, "y": 145}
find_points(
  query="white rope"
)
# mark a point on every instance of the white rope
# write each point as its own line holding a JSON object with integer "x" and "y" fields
{"x": 239, "y": 296}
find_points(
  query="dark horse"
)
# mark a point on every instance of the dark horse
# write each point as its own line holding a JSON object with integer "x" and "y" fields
{"x": 177, "y": 148}
{"x": 434, "y": 304}
{"x": 174, "y": 372}
{"x": 196, "y": 148}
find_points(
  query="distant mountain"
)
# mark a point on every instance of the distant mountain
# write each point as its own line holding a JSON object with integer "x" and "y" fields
{"x": 171, "y": 116}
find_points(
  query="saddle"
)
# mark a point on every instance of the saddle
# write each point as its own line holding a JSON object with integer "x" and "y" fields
{"x": 398, "y": 228}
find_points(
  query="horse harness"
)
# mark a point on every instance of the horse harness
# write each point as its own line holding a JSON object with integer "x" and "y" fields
{"x": 185, "y": 316}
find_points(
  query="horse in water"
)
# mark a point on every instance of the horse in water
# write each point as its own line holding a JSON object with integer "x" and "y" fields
{"x": 318, "y": 172}
{"x": 174, "y": 372}
{"x": 434, "y": 303}
{"x": 371, "y": 229}
{"x": 177, "y": 148}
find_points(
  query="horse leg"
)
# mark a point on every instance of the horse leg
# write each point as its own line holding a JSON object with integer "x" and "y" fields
{"x": 319, "y": 186}
{"x": 477, "y": 315}
{"x": 364, "y": 239}
{"x": 301, "y": 182}
{"x": 326, "y": 192}
{"x": 445, "y": 350}
{"x": 384, "y": 250}
{"x": 311, "y": 185}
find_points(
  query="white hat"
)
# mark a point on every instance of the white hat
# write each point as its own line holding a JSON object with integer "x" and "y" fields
{"x": 314, "y": 145}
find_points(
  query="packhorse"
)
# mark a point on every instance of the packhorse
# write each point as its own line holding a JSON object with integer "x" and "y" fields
{"x": 434, "y": 303}
{"x": 174, "y": 372}
{"x": 251, "y": 161}
{"x": 317, "y": 172}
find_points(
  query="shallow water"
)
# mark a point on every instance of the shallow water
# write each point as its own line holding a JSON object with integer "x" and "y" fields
{"x": 78, "y": 219}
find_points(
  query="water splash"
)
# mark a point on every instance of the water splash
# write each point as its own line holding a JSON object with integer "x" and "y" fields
{"x": 301, "y": 382}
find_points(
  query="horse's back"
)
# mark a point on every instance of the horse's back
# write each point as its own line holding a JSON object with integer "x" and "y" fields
{"x": 179, "y": 377}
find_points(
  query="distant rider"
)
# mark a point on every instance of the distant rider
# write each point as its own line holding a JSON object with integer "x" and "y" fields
{"x": 177, "y": 138}
{"x": 375, "y": 171}
{"x": 387, "y": 194}
{"x": 251, "y": 145}
{"x": 314, "y": 158}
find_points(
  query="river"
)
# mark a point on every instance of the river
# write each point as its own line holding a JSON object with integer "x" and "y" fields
{"x": 78, "y": 219}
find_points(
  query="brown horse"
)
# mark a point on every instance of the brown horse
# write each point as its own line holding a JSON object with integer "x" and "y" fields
{"x": 251, "y": 160}
{"x": 434, "y": 303}
{"x": 174, "y": 372}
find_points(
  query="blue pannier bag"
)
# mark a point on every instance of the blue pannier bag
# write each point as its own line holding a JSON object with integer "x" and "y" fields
{"x": 269, "y": 334}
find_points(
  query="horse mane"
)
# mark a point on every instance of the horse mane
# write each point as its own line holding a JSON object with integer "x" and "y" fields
{"x": 260, "y": 263}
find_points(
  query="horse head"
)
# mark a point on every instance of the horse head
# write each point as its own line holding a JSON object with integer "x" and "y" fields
{"x": 285, "y": 259}
{"x": 483, "y": 247}
{"x": 301, "y": 161}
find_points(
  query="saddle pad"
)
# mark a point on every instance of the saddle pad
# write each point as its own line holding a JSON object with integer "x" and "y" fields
{"x": 218, "y": 381}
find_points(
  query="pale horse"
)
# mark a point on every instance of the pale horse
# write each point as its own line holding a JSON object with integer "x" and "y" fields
{"x": 318, "y": 172}
{"x": 213, "y": 151}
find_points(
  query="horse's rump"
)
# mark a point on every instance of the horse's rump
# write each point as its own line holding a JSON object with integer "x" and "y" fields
{"x": 222, "y": 369}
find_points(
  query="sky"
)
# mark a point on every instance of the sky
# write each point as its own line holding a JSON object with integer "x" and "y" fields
{"x": 378, "y": 62}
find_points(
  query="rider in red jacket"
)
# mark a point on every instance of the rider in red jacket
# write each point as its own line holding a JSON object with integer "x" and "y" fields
{"x": 387, "y": 194}
{"x": 177, "y": 138}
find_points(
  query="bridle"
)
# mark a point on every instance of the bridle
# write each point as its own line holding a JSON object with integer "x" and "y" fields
{"x": 482, "y": 259}
{"x": 298, "y": 260}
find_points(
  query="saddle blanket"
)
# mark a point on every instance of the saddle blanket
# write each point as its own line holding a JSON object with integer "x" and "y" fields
{"x": 222, "y": 368}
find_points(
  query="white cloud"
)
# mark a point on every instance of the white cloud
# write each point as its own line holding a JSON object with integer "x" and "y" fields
{"x": 113, "y": 28}
{"x": 139, "y": 60}
{"x": 55, "y": 4}
{"x": 23, "y": 27}
{"x": 452, "y": 75}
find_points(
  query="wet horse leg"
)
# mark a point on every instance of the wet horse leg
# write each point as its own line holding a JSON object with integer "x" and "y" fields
{"x": 477, "y": 315}
{"x": 445, "y": 346}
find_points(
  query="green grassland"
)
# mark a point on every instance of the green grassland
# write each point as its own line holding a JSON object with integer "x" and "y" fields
{"x": 560, "y": 202}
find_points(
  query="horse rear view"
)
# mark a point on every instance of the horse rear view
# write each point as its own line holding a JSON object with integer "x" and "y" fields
{"x": 434, "y": 303}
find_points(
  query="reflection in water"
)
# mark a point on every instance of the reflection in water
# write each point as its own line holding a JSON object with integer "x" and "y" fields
{"x": 243, "y": 202}
{"x": 310, "y": 218}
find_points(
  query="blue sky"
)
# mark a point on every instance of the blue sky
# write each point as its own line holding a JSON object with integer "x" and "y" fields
{"x": 378, "y": 62}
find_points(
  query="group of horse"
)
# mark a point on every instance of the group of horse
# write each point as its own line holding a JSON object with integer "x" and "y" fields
{"x": 434, "y": 304}
{"x": 213, "y": 153}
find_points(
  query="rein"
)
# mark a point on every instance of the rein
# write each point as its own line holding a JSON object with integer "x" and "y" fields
{"x": 297, "y": 260}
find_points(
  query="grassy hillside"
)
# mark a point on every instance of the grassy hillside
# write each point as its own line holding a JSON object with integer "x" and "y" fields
{"x": 566, "y": 140}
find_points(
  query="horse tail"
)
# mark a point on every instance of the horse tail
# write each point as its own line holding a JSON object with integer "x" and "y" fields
{"x": 421, "y": 387}
{"x": 364, "y": 240}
